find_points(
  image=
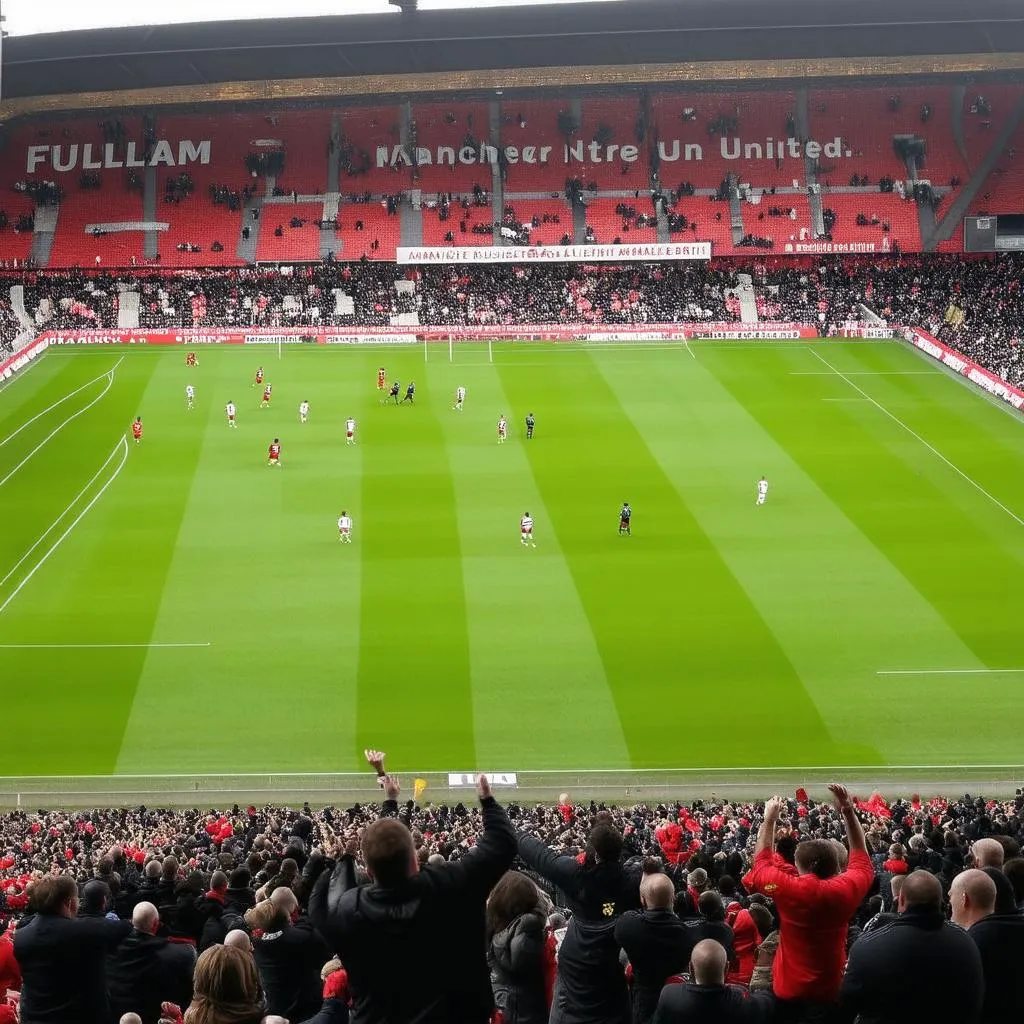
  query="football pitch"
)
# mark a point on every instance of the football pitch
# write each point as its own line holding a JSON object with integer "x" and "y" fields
{"x": 178, "y": 606}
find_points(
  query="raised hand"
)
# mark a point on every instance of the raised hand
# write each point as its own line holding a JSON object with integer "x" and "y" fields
{"x": 483, "y": 787}
{"x": 375, "y": 758}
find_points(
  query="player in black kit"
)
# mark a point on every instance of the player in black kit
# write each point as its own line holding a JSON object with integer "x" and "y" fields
{"x": 530, "y": 423}
{"x": 410, "y": 392}
{"x": 624, "y": 517}
{"x": 393, "y": 393}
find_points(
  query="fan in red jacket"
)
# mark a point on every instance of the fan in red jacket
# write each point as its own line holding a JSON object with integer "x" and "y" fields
{"x": 10, "y": 972}
{"x": 745, "y": 942}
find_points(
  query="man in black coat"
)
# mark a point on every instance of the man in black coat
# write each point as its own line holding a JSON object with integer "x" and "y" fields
{"x": 63, "y": 959}
{"x": 920, "y": 967}
{"x": 1000, "y": 941}
{"x": 147, "y": 969}
{"x": 706, "y": 999}
{"x": 657, "y": 943}
{"x": 413, "y": 942}
{"x": 712, "y": 924}
{"x": 290, "y": 955}
{"x": 238, "y": 898}
{"x": 591, "y": 986}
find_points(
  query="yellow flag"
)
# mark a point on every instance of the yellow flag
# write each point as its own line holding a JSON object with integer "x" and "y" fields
{"x": 417, "y": 788}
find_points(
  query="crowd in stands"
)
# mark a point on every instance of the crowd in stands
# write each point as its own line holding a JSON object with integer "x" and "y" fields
{"x": 797, "y": 910}
{"x": 973, "y": 304}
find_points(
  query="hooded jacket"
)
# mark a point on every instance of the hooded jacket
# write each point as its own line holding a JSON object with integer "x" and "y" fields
{"x": 146, "y": 970}
{"x": 517, "y": 958}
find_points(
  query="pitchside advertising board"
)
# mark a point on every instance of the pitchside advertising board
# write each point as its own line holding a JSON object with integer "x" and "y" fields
{"x": 554, "y": 253}
{"x": 920, "y": 339}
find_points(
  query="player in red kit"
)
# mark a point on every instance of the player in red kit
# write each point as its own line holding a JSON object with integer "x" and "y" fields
{"x": 274, "y": 453}
{"x": 382, "y": 379}
{"x": 190, "y": 359}
{"x": 259, "y": 376}
{"x": 137, "y": 429}
{"x": 266, "y": 396}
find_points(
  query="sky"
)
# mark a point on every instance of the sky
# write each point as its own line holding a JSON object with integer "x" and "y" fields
{"x": 25, "y": 17}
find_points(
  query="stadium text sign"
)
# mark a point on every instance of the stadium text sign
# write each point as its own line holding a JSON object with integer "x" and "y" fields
{"x": 88, "y": 157}
{"x": 959, "y": 363}
{"x": 555, "y": 253}
{"x": 729, "y": 147}
{"x": 459, "y": 779}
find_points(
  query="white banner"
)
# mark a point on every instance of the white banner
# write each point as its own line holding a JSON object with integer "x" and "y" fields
{"x": 12, "y": 364}
{"x": 370, "y": 339}
{"x": 554, "y": 253}
{"x": 457, "y": 780}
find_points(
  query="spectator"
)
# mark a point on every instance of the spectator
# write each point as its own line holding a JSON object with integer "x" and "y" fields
{"x": 591, "y": 986}
{"x": 712, "y": 924}
{"x": 1000, "y": 941}
{"x": 238, "y": 898}
{"x": 289, "y": 955}
{"x": 706, "y": 999}
{"x": 919, "y": 967}
{"x": 814, "y": 906}
{"x": 1014, "y": 871}
{"x": 746, "y": 938}
{"x": 987, "y": 853}
{"x": 334, "y": 1009}
{"x": 656, "y": 942}
{"x": 10, "y": 972}
{"x": 427, "y": 920}
{"x": 62, "y": 959}
{"x": 146, "y": 969}
{"x": 227, "y": 989}
{"x": 210, "y": 908}
{"x": 518, "y": 952}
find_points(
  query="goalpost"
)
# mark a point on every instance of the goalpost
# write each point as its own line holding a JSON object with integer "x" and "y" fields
{"x": 451, "y": 349}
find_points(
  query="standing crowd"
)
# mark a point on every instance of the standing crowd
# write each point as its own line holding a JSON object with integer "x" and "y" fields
{"x": 797, "y": 910}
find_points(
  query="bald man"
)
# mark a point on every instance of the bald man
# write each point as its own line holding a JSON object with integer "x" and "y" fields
{"x": 289, "y": 956}
{"x": 920, "y": 967}
{"x": 988, "y": 853}
{"x": 147, "y": 969}
{"x": 657, "y": 943}
{"x": 707, "y": 997}
{"x": 239, "y": 939}
{"x": 1000, "y": 941}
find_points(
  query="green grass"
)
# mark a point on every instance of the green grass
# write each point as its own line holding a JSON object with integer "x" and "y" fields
{"x": 719, "y": 635}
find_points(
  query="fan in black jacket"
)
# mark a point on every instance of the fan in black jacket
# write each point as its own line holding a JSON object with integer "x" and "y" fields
{"x": 147, "y": 969}
{"x": 657, "y": 943}
{"x": 62, "y": 959}
{"x": 413, "y": 942}
{"x": 591, "y": 985}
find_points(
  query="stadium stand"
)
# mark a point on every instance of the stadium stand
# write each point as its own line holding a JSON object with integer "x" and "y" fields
{"x": 684, "y": 145}
{"x": 157, "y": 887}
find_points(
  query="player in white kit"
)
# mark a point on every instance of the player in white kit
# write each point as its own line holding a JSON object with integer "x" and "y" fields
{"x": 502, "y": 430}
{"x": 190, "y": 396}
{"x": 345, "y": 527}
{"x": 526, "y": 531}
{"x": 303, "y": 411}
{"x": 230, "y": 410}
{"x": 350, "y": 431}
{"x": 762, "y": 491}
{"x": 460, "y": 397}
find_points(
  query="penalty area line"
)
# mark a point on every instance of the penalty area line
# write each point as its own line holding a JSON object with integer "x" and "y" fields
{"x": 93, "y": 647}
{"x": 121, "y": 446}
{"x": 913, "y": 433}
{"x": 948, "y": 671}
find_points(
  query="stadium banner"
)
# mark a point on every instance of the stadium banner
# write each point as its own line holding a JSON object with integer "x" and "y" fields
{"x": 966, "y": 367}
{"x": 301, "y": 338}
{"x": 12, "y": 364}
{"x": 859, "y": 331}
{"x": 555, "y": 253}
{"x": 815, "y": 248}
{"x": 468, "y": 779}
{"x": 758, "y": 332}
{"x": 370, "y": 339}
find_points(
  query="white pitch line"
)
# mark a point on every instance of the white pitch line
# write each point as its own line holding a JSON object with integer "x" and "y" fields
{"x": 60, "y": 401}
{"x": 123, "y": 443}
{"x": 913, "y": 433}
{"x": 688, "y": 349}
{"x": 844, "y": 399}
{"x": 74, "y": 416}
{"x": 54, "y": 524}
{"x": 866, "y": 373}
{"x": 948, "y": 671}
{"x": 91, "y": 647}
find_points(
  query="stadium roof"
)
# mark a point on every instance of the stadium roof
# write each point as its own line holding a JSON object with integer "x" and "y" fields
{"x": 547, "y": 36}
